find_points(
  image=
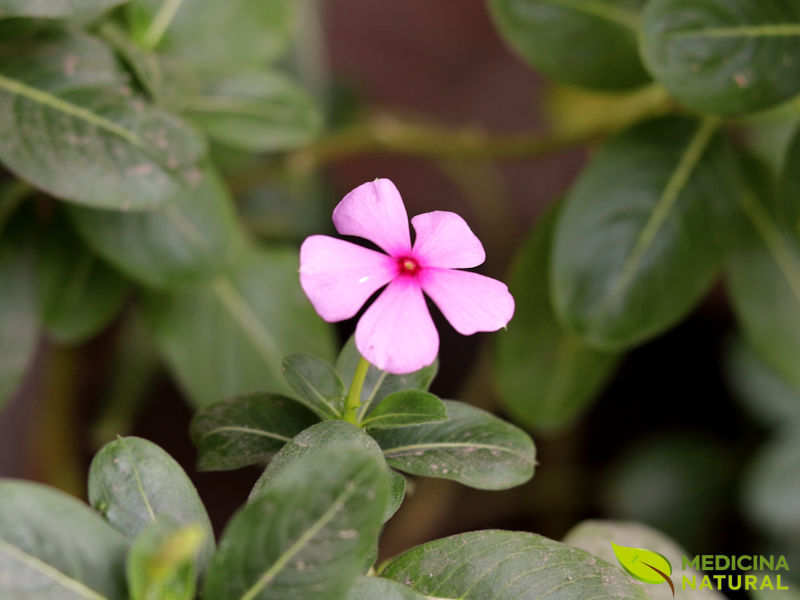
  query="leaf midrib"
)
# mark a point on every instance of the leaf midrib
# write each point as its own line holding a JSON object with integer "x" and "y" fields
{"x": 50, "y": 572}
{"x": 305, "y": 538}
{"x": 445, "y": 445}
{"x": 60, "y": 105}
{"x": 247, "y": 430}
{"x": 746, "y": 31}
{"x": 661, "y": 211}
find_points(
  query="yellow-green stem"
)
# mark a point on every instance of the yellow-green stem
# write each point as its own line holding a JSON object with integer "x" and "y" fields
{"x": 353, "y": 401}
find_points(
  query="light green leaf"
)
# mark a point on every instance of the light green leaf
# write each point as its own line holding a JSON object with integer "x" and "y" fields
{"x": 255, "y": 315}
{"x": 643, "y": 232}
{"x": 211, "y": 36}
{"x": 73, "y": 130}
{"x": 765, "y": 393}
{"x": 763, "y": 277}
{"x": 309, "y": 534}
{"x": 133, "y": 483}
{"x": 508, "y": 565}
{"x": 372, "y": 588}
{"x": 316, "y": 384}
{"x": 78, "y": 293}
{"x": 56, "y": 9}
{"x": 724, "y": 56}
{"x": 245, "y": 431}
{"x": 189, "y": 238}
{"x": 642, "y": 564}
{"x": 407, "y": 407}
{"x": 546, "y": 375}
{"x": 589, "y": 43}
{"x": 472, "y": 447}
{"x": 256, "y": 111}
{"x": 599, "y": 537}
{"x": 379, "y": 384}
{"x": 18, "y": 319}
{"x": 161, "y": 562}
{"x": 53, "y": 547}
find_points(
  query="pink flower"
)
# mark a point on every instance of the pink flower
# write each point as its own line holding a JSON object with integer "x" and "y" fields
{"x": 396, "y": 333}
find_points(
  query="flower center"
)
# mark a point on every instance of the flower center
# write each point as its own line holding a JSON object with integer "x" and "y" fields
{"x": 407, "y": 265}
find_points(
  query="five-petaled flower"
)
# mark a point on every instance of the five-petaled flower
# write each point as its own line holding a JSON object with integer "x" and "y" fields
{"x": 396, "y": 333}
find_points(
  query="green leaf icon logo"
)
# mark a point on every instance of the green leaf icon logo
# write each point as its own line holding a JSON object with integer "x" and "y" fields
{"x": 644, "y": 565}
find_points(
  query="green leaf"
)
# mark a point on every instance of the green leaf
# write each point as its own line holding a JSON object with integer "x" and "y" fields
{"x": 212, "y": 36}
{"x": 191, "y": 237}
{"x": 724, "y": 56}
{"x": 582, "y": 42}
{"x": 472, "y": 447}
{"x": 507, "y": 565}
{"x": 53, "y": 547}
{"x": 316, "y": 441}
{"x": 246, "y": 431}
{"x": 255, "y": 315}
{"x": 765, "y": 393}
{"x": 643, "y": 232}
{"x": 78, "y": 293}
{"x": 133, "y": 483}
{"x": 379, "y": 384}
{"x": 161, "y": 562}
{"x": 599, "y": 537}
{"x": 80, "y": 135}
{"x": 371, "y": 588}
{"x": 407, "y": 407}
{"x": 641, "y": 563}
{"x": 763, "y": 277}
{"x": 788, "y": 206}
{"x": 256, "y": 111}
{"x": 308, "y": 535}
{"x": 144, "y": 64}
{"x": 18, "y": 319}
{"x": 546, "y": 375}
{"x": 316, "y": 384}
{"x": 56, "y": 9}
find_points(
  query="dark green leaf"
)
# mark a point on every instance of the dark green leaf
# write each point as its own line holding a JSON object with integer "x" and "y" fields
{"x": 724, "y": 56}
{"x": 189, "y": 238}
{"x": 246, "y": 431}
{"x": 144, "y": 64}
{"x": 772, "y": 488}
{"x": 591, "y": 44}
{"x": 472, "y": 447}
{"x": 78, "y": 293}
{"x": 767, "y": 395}
{"x": 257, "y": 111}
{"x": 316, "y": 384}
{"x": 161, "y": 562}
{"x": 133, "y": 483}
{"x": 788, "y": 202}
{"x": 379, "y": 384}
{"x": 255, "y": 315}
{"x": 213, "y": 36}
{"x": 596, "y": 538}
{"x": 374, "y": 588}
{"x": 317, "y": 440}
{"x": 763, "y": 277}
{"x": 308, "y": 535}
{"x": 507, "y": 565}
{"x": 18, "y": 321}
{"x": 53, "y": 547}
{"x": 74, "y": 131}
{"x": 56, "y": 9}
{"x": 643, "y": 232}
{"x": 407, "y": 407}
{"x": 546, "y": 375}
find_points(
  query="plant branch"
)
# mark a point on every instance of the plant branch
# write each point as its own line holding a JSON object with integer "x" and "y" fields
{"x": 354, "y": 394}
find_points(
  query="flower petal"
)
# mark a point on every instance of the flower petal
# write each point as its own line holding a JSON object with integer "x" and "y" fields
{"x": 375, "y": 211}
{"x": 397, "y": 334}
{"x": 338, "y": 276}
{"x": 471, "y": 302}
{"x": 445, "y": 240}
